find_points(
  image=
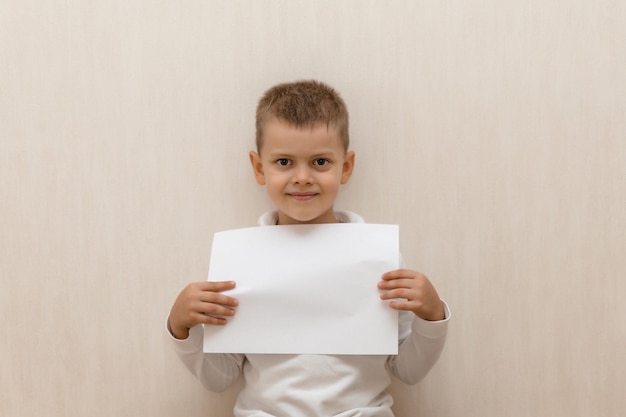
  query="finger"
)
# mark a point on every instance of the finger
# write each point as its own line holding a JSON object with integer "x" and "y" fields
{"x": 404, "y": 293}
{"x": 217, "y": 298}
{"x": 397, "y": 283}
{"x": 205, "y": 313}
{"x": 211, "y": 320}
{"x": 400, "y": 273}
{"x": 217, "y": 286}
{"x": 402, "y": 305}
{"x": 392, "y": 274}
{"x": 214, "y": 310}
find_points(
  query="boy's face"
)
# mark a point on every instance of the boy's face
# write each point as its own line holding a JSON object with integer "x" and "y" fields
{"x": 302, "y": 170}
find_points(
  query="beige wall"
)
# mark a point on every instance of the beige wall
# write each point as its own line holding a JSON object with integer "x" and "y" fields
{"x": 493, "y": 132}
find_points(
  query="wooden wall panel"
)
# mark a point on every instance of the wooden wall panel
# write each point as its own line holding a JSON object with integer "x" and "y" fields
{"x": 492, "y": 132}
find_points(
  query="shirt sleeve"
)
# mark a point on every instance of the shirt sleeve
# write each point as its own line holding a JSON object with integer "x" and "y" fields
{"x": 216, "y": 371}
{"x": 421, "y": 343}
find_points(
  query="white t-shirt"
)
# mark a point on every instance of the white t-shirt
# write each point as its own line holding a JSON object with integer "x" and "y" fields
{"x": 318, "y": 385}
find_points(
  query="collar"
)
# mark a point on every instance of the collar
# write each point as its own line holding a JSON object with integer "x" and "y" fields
{"x": 270, "y": 218}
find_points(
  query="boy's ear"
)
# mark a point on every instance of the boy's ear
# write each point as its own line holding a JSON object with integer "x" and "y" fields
{"x": 348, "y": 166}
{"x": 257, "y": 168}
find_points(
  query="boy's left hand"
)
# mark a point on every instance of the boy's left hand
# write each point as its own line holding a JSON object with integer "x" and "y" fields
{"x": 420, "y": 294}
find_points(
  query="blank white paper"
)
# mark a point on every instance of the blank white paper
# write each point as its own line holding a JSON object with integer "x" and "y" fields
{"x": 306, "y": 289}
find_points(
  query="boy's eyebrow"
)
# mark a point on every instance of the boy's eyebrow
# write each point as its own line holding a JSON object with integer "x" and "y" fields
{"x": 278, "y": 153}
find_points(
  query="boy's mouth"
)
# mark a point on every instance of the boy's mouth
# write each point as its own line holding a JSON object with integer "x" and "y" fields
{"x": 302, "y": 196}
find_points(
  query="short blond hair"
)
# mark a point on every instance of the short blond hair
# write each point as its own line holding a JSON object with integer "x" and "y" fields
{"x": 303, "y": 104}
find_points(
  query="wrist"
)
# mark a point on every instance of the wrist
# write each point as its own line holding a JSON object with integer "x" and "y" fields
{"x": 179, "y": 332}
{"x": 435, "y": 315}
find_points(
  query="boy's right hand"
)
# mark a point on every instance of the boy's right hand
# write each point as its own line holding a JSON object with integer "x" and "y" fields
{"x": 201, "y": 303}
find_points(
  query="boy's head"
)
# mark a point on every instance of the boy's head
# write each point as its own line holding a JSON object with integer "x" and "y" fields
{"x": 303, "y": 104}
{"x": 302, "y": 155}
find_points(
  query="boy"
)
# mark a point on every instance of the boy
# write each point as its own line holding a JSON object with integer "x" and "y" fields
{"x": 302, "y": 159}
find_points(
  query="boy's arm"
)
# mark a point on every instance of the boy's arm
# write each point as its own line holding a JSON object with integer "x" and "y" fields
{"x": 423, "y": 322}
{"x": 216, "y": 371}
{"x": 420, "y": 349}
{"x": 203, "y": 303}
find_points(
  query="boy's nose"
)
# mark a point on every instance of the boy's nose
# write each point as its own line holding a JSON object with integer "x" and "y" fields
{"x": 302, "y": 176}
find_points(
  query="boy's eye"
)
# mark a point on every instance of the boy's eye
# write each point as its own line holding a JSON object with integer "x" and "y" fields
{"x": 283, "y": 162}
{"x": 321, "y": 162}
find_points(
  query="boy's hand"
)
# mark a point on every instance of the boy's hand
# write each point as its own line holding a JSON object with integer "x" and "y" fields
{"x": 201, "y": 303}
{"x": 421, "y": 296}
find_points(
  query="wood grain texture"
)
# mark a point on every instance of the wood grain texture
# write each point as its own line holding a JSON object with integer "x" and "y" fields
{"x": 493, "y": 132}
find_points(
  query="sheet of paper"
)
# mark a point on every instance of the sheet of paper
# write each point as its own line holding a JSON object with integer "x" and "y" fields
{"x": 306, "y": 289}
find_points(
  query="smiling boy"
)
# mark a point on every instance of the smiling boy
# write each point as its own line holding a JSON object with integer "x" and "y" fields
{"x": 302, "y": 170}
{"x": 302, "y": 159}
